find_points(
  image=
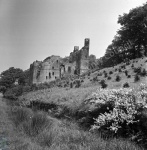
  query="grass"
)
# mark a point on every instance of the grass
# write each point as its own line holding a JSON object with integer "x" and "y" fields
{"x": 63, "y": 135}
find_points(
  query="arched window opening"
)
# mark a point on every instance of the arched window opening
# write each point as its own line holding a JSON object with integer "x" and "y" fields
{"x": 69, "y": 69}
{"x": 49, "y": 75}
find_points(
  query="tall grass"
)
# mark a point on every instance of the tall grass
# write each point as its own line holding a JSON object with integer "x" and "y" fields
{"x": 52, "y": 134}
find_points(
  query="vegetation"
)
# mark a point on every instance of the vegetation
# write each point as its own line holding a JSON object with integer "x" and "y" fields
{"x": 126, "y": 85}
{"x": 78, "y": 112}
{"x": 118, "y": 78}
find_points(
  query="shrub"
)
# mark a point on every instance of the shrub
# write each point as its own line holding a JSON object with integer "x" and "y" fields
{"x": 128, "y": 63}
{"x": 126, "y": 85}
{"x": 129, "y": 76}
{"x": 137, "y": 70}
{"x": 123, "y": 67}
{"x": 20, "y": 114}
{"x": 78, "y": 83}
{"x": 109, "y": 78}
{"x": 2, "y": 89}
{"x": 136, "y": 78}
{"x": 119, "y": 70}
{"x": 132, "y": 65}
{"x": 14, "y": 92}
{"x": 126, "y": 116}
{"x": 95, "y": 79}
{"x": 99, "y": 74}
{"x": 126, "y": 72}
{"x": 105, "y": 74}
{"x": 143, "y": 73}
{"x": 82, "y": 80}
{"x": 110, "y": 72}
{"x": 26, "y": 88}
{"x": 118, "y": 78}
{"x": 115, "y": 69}
{"x": 71, "y": 85}
{"x": 103, "y": 84}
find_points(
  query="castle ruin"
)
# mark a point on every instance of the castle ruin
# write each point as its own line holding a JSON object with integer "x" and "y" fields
{"x": 55, "y": 67}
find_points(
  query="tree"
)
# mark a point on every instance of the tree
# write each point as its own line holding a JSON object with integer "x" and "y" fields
{"x": 8, "y": 77}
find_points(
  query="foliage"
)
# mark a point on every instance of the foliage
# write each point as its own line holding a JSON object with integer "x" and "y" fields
{"x": 143, "y": 73}
{"x": 118, "y": 78}
{"x": 130, "y": 40}
{"x": 49, "y": 133}
{"x": 109, "y": 78}
{"x": 126, "y": 85}
{"x": 110, "y": 72}
{"x": 9, "y": 76}
{"x": 126, "y": 72}
{"x": 136, "y": 78}
{"x": 125, "y": 118}
{"x": 13, "y": 92}
{"x": 103, "y": 84}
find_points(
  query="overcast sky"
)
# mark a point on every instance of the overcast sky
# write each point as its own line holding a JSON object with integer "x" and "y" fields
{"x": 35, "y": 29}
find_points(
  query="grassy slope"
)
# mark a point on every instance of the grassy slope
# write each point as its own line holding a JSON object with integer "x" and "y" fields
{"x": 75, "y": 96}
{"x": 10, "y": 138}
{"x": 41, "y": 132}
{"x": 64, "y": 135}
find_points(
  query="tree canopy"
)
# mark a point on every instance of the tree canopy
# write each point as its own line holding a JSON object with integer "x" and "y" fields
{"x": 130, "y": 42}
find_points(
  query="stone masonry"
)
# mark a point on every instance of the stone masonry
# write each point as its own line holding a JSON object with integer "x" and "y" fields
{"x": 55, "y": 67}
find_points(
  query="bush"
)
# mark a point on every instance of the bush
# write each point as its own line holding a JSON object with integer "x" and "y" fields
{"x": 136, "y": 78}
{"x": 105, "y": 74}
{"x": 143, "y": 73}
{"x": 132, "y": 65}
{"x": 123, "y": 67}
{"x": 103, "y": 84}
{"x": 109, "y": 78}
{"x": 115, "y": 69}
{"x": 119, "y": 70}
{"x": 126, "y": 85}
{"x": 26, "y": 88}
{"x": 78, "y": 83}
{"x": 128, "y": 63}
{"x": 118, "y": 78}
{"x": 137, "y": 70}
{"x": 129, "y": 76}
{"x": 14, "y": 92}
{"x": 99, "y": 74}
{"x": 20, "y": 114}
{"x": 71, "y": 85}
{"x": 2, "y": 89}
{"x": 126, "y": 72}
{"x": 95, "y": 79}
{"x": 126, "y": 116}
{"x": 110, "y": 72}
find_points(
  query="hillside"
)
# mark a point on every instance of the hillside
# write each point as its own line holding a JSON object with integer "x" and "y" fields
{"x": 109, "y": 74}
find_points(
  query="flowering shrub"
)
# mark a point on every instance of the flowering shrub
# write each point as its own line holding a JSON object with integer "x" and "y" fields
{"x": 125, "y": 115}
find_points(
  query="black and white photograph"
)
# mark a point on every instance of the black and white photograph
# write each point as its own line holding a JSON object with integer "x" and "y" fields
{"x": 73, "y": 74}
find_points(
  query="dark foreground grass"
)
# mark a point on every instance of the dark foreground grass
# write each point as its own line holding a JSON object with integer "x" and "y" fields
{"x": 46, "y": 133}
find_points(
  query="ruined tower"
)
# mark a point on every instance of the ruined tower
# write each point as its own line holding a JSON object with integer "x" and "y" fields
{"x": 83, "y": 58}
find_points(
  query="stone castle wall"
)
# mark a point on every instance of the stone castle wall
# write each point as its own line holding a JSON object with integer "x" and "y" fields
{"x": 54, "y": 67}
